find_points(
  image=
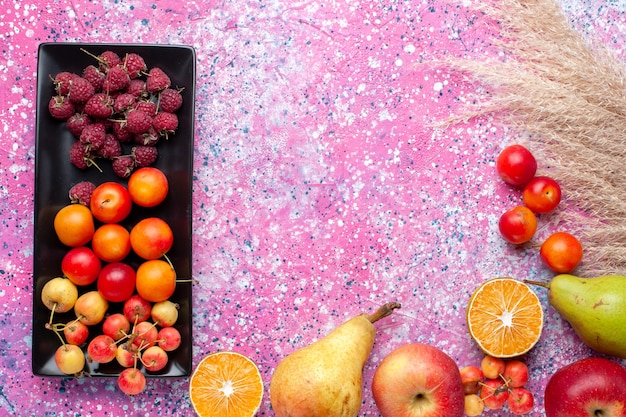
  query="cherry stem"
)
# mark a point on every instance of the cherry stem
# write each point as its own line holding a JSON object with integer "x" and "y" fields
{"x": 384, "y": 311}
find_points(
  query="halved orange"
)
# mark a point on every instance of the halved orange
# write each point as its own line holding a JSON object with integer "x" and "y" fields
{"x": 504, "y": 317}
{"x": 226, "y": 384}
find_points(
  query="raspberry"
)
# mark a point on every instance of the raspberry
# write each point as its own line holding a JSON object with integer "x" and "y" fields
{"x": 150, "y": 138}
{"x": 80, "y": 90}
{"x": 81, "y": 192}
{"x": 144, "y": 155}
{"x": 116, "y": 79}
{"x": 77, "y": 122}
{"x": 137, "y": 88}
{"x": 123, "y": 166}
{"x": 93, "y": 136}
{"x": 111, "y": 147}
{"x": 62, "y": 82}
{"x": 165, "y": 123}
{"x": 108, "y": 59}
{"x": 138, "y": 121}
{"x": 61, "y": 108}
{"x": 157, "y": 80}
{"x": 124, "y": 102}
{"x": 94, "y": 76}
{"x": 120, "y": 130}
{"x": 170, "y": 100}
{"x": 79, "y": 155}
{"x": 147, "y": 106}
{"x": 100, "y": 106}
{"x": 134, "y": 65}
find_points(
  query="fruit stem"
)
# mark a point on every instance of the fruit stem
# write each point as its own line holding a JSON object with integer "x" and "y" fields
{"x": 541, "y": 284}
{"x": 384, "y": 311}
{"x": 60, "y": 338}
{"x": 54, "y": 307}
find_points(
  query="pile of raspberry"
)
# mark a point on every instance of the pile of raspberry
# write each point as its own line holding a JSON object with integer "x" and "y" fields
{"x": 115, "y": 101}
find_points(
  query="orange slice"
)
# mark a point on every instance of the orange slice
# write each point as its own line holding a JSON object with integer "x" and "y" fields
{"x": 504, "y": 317}
{"x": 226, "y": 384}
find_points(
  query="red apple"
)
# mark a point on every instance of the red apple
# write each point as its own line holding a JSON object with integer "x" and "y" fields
{"x": 154, "y": 358}
{"x": 102, "y": 349}
{"x": 137, "y": 309}
{"x": 417, "y": 379}
{"x": 116, "y": 326}
{"x": 494, "y": 393}
{"x": 520, "y": 401}
{"x": 145, "y": 334}
{"x": 126, "y": 354}
{"x": 131, "y": 381}
{"x": 471, "y": 376}
{"x": 515, "y": 373}
{"x": 589, "y": 387}
{"x": 169, "y": 339}
{"x": 75, "y": 332}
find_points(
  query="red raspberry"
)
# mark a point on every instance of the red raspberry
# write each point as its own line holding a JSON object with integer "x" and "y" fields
{"x": 94, "y": 76}
{"x": 93, "y": 136}
{"x": 137, "y": 88}
{"x": 165, "y": 123}
{"x": 77, "y": 122}
{"x": 157, "y": 80}
{"x": 80, "y": 90}
{"x": 134, "y": 65}
{"x": 116, "y": 79}
{"x": 138, "y": 121}
{"x": 111, "y": 147}
{"x": 62, "y": 82}
{"x": 123, "y": 166}
{"x": 147, "y": 107}
{"x": 150, "y": 138}
{"x": 170, "y": 100}
{"x": 144, "y": 155}
{"x": 124, "y": 102}
{"x": 108, "y": 59}
{"x": 80, "y": 193}
{"x": 120, "y": 130}
{"x": 79, "y": 155}
{"x": 100, "y": 106}
{"x": 61, "y": 108}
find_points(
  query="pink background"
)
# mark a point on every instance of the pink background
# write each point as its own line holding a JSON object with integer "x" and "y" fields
{"x": 320, "y": 192}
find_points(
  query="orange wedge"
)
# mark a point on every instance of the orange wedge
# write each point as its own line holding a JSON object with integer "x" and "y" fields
{"x": 504, "y": 317}
{"x": 226, "y": 384}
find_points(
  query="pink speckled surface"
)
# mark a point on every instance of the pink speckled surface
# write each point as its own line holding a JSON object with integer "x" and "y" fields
{"x": 319, "y": 191}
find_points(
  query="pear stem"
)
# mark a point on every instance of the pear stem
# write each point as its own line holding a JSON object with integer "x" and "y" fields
{"x": 384, "y": 311}
{"x": 541, "y": 284}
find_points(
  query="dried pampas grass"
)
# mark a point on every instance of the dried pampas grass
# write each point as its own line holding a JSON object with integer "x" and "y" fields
{"x": 568, "y": 95}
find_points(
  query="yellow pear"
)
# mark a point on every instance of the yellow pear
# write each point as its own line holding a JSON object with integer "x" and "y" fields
{"x": 324, "y": 379}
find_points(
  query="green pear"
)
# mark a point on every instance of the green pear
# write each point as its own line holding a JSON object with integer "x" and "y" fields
{"x": 324, "y": 379}
{"x": 595, "y": 308}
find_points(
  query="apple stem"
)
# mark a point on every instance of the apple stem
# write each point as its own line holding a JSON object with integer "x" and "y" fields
{"x": 384, "y": 311}
{"x": 54, "y": 307}
{"x": 541, "y": 284}
{"x": 60, "y": 338}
